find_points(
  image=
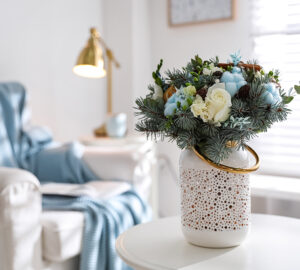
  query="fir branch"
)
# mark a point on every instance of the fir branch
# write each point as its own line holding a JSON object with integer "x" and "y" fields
{"x": 178, "y": 77}
{"x": 215, "y": 60}
{"x": 215, "y": 149}
{"x": 185, "y": 120}
{"x": 156, "y": 74}
{"x": 149, "y": 108}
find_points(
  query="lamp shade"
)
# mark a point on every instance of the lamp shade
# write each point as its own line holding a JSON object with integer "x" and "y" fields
{"x": 90, "y": 62}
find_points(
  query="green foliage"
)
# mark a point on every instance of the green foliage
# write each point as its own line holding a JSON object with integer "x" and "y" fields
{"x": 151, "y": 90}
{"x": 215, "y": 148}
{"x": 297, "y": 89}
{"x": 287, "y": 99}
{"x": 237, "y": 122}
{"x": 214, "y": 60}
{"x": 186, "y": 120}
{"x": 249, "y": 115}
{"x": 156, "y": 74}
{"x": 196, "y": 64}
{"x": 178, "y": 77}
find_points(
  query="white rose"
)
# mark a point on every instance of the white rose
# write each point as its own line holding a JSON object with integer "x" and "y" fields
{"x": 158, "y": 92}
{"x": 218, "y": 102}
{"x": 199, "y": 108}
{"x": 206, "y": 71}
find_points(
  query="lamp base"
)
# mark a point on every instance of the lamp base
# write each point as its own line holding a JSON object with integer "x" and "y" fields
{"x": 114, "y": 127}
{"x": 101, "y": 131}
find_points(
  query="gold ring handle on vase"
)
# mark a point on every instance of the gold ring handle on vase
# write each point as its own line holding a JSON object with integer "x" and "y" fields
{"x": 228, "y": 168}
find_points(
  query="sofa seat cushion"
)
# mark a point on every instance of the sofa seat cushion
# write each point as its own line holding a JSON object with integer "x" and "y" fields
{"x": 61, "y": 234}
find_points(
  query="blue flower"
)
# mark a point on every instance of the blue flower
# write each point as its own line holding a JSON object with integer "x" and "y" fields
{"x": 233, "y": 81}
{"x": 271, "y": 96}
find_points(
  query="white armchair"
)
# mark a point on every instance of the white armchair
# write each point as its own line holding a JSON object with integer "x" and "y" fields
{"x": 20, "y": 215}
{"x": 51, "y": 240}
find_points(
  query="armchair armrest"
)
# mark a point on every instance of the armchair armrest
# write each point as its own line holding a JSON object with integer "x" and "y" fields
{"x": 132, "y": 162}
{"x": 20, "y": 228}
{"x": 12, "y": 176}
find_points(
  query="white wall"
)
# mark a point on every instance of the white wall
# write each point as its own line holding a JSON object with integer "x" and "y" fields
{"x": 176, "y": 45}
{"x": 127, "y": 31}
{"x": 40, "y": 41}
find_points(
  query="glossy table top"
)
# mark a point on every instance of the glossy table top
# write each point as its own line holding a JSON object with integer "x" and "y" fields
{"x": 273, "y": 243}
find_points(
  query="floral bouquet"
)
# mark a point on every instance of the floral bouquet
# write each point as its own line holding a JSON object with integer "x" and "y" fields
{"x": 208, "y": 104}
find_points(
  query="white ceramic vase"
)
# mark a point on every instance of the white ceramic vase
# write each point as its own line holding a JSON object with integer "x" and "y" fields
{"x": 215, "y": 204}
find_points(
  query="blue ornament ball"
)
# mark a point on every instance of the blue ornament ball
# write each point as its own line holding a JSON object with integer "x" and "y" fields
{"x": 231, "y": 88}
{"x": 233, "y": 81}
{"x": 226, "y": 77}
{"x": 171, "y": 104}
{"x": 271, "y": 96}
{"x": 268, "y": 97}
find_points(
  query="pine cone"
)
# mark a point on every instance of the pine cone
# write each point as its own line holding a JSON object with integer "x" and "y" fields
{"x": 218, "y": 74}
{"x": 202, "y": 92}
{"x": 243, "y": 93}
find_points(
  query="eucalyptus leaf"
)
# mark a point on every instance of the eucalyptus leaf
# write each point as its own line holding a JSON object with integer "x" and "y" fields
{"x": 297, "y": 88}
{"x": 287, "y": 99}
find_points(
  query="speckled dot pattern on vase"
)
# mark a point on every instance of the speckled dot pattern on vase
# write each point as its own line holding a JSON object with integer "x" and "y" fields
{"x": 214, "y": 200}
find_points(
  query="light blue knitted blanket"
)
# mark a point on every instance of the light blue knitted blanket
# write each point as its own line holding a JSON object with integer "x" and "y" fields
{"x": 104, "y": 222}
{"x": 32, "y": 148}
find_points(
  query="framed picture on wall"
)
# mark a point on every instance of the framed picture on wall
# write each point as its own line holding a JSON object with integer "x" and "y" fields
{"x": 185, "y": 12}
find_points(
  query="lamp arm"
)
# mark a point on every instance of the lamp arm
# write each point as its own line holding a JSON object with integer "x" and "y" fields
{"x": 109, "y": 52}
{"x": 111, "y": 59}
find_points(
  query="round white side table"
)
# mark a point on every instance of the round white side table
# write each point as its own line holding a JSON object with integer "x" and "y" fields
{"x": 273, "y": 243}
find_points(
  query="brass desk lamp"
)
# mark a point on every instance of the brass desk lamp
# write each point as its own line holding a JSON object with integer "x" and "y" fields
{"x": 90, "y": 64}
